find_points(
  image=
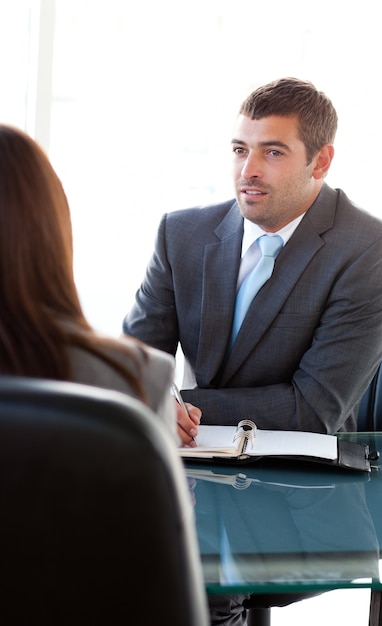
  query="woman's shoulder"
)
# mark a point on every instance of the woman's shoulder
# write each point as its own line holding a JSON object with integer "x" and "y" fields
{"x": 157, "y": 371}
{"x": 148, "y": 357}
{"x": 154, "y": 368}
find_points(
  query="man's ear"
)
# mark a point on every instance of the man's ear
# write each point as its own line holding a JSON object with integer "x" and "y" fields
{"x": 322, "y": 161}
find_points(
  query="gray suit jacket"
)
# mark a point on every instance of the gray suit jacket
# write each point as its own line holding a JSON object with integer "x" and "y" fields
{"x": 156, "y": 372}
{"x": 312, "y": 338}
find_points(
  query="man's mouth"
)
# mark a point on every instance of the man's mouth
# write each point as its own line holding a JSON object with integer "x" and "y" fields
{"x": 253, "y": 192}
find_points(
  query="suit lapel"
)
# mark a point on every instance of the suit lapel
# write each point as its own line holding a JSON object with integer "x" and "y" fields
{"x": 221, "y": 265}
{"x": 290, "y": 265}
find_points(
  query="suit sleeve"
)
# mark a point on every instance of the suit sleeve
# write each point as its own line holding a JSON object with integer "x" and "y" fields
{"x": 153, "y": 318}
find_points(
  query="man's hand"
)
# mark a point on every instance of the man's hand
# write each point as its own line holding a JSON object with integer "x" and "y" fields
{"x": 188, "y": 423}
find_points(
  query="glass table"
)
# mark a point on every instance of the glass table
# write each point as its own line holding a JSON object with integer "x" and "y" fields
{"x": 285, "y": 527}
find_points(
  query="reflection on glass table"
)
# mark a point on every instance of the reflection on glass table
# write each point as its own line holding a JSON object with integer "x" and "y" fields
{"x": 287, "y": 526}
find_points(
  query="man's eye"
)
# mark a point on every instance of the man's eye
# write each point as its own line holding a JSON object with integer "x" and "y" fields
{"x": 275, "y": 153}
{"x": 237, "y": 150}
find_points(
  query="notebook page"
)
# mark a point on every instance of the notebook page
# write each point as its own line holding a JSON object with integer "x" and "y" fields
{"x": 297, "y": 443}
{"x": 217, "y": 437}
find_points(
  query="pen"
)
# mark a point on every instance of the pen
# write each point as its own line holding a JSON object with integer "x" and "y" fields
{"x": 180, "y": 401}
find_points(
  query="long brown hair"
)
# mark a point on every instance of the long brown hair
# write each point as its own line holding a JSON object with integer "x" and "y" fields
{"x": 37, "y": 286}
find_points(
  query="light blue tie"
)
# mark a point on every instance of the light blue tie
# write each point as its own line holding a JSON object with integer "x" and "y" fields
{"x": 270, "y": 246}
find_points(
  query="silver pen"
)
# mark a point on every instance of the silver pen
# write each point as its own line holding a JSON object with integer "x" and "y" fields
{"x": 180, "y": 401}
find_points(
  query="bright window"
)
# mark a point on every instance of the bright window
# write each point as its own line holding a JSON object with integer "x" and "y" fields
{"x": 135, "y": 103}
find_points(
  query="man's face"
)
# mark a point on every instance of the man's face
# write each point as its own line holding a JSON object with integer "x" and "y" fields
{"x": 273, "y": 182}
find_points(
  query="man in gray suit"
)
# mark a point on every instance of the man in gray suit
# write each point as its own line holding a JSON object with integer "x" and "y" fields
{"x": 312, "y": 337}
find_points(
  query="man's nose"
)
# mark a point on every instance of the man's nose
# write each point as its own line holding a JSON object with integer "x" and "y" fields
{"x": 251, "y": 167}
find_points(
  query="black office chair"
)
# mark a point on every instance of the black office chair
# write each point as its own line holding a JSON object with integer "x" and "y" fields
{"x": 369, "y": 420}
{"x": 95, "y": 524}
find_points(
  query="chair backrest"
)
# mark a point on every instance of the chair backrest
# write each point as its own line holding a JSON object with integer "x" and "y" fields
{"x": 370, "y": 409}
{"x": 96, "y": 523}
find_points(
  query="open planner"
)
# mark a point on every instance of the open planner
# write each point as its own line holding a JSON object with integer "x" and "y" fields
{"x": 245, "y": 442}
